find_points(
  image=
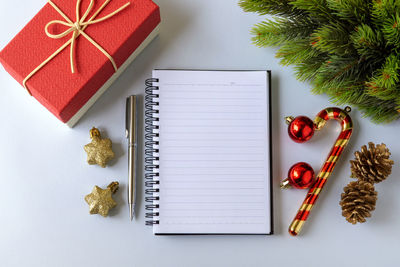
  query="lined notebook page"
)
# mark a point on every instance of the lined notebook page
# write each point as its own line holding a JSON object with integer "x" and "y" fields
{"x": 213, "y": 152}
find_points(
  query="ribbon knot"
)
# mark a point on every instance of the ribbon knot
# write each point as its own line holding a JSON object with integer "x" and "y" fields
{"x": 76, "y": 28}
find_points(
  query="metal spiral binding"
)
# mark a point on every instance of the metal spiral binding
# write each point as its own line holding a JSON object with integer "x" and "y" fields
{"x": 151, "y": 151}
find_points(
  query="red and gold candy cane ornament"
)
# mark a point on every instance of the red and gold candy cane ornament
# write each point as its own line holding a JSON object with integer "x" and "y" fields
{"x": 302, "y": 133}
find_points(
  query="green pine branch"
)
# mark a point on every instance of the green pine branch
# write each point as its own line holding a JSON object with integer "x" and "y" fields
{"x": 278, "y": 31}
{"x": 281, "y": 8}
{"x": 352, "y": 11}
{"x": 332, "y": 39}
{"x": 368, "y": 42}
{"x": 385, "y": 84}
{"x": 347, "y": 49}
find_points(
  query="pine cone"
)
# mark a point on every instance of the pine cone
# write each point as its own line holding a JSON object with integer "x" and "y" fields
{"x": 373, "y": 164}
{"x": 358, "y": 200}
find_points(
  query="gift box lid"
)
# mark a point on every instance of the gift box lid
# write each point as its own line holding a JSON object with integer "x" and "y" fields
{"x": 60, "y": 91}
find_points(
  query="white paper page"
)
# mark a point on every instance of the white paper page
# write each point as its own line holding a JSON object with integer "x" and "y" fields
{"x": 213, "y": 152}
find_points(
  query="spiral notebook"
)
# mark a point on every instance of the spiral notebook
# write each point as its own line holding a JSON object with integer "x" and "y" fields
{"x": 208, "y": 152}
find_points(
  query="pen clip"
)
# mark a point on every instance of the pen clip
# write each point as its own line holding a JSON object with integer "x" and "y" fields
{"x": 127, "y": 118}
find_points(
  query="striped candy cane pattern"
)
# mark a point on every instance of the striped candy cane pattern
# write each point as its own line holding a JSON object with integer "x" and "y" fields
{"x": 319, "y": 122}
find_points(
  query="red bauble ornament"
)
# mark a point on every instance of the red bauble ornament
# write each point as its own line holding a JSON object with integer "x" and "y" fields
{"x": 300, "y": 175}
{"x": 301, "y": 128}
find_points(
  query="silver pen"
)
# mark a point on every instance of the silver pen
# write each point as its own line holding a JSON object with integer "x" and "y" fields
{"x": 131, "y": 134}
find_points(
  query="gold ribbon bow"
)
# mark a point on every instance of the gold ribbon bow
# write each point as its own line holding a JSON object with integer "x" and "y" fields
{"x": 77, "y": 28}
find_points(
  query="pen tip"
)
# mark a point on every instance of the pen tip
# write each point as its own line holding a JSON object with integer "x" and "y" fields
{"x": 131, "y": 211}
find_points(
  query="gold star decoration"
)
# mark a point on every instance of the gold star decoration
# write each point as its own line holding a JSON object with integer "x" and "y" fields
{"x": 99, "y": 151}
{"x": 100, "y": 200}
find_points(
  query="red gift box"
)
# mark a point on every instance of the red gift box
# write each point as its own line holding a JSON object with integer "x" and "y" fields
{"x": 69, "y": 95}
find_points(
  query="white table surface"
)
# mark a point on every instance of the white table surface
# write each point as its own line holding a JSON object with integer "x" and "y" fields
{"x": 44, "y": 176}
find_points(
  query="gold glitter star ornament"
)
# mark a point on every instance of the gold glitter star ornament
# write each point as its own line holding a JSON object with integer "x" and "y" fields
{"x": 99, "y": 151}
{"x": 100, "y": 200}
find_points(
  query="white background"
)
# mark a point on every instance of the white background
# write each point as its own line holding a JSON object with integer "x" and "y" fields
{"x": 44, "y": 176}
